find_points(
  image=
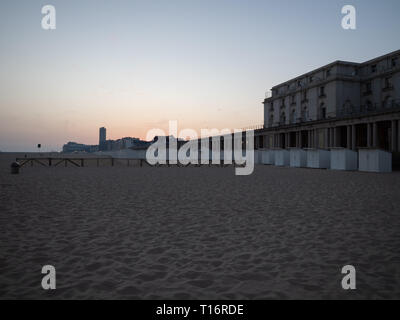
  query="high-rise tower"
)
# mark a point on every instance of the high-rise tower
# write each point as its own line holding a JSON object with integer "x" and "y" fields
{"x": 102, "y": 138}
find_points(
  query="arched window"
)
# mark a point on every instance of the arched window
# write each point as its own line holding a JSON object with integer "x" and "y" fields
{"x": 304, "y": 114}
{"x": 347, "y": 107}
{"x": 293, "y": 116}
{"x": 387, "y": 103}
{"x": 322, "y": 111}
{"x": 271, "y": 120}
{"x": 283, "y": 118}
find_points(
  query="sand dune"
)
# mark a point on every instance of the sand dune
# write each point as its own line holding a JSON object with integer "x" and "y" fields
{"x": 197, "y": 233}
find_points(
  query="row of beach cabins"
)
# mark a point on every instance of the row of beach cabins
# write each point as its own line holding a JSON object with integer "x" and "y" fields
{"x": 366, "y": 160}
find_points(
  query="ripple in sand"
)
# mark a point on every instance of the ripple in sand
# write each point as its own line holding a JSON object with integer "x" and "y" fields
{"x": 201, "y": 283}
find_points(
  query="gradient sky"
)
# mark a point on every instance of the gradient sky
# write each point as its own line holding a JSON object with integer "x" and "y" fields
{"x": 133, "y": 65}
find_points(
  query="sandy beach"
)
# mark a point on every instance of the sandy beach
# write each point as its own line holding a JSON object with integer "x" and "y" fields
{"x": 197, "y": 233}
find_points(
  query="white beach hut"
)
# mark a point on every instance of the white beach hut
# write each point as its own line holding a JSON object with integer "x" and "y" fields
{"x": 268, "y": 157}
{"x": 282, "y": 158}
{"x": 257, "y": 157}
{"x": 298, "y": 158}
{"x": 344, "y": 159}
{"x": 374, "y": 160}
{"x": 318, "y": 158}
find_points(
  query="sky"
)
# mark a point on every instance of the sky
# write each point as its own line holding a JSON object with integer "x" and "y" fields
{"x": 132, "y": 66}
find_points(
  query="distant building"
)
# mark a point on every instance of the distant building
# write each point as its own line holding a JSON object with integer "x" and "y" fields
{"x": 106, "y": 145}
{"x": 102, "y": 138}
{"x": 71, "y": 147}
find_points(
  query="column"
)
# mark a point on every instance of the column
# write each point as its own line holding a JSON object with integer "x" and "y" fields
{"x": 313, "y": 138}
{"x": 309, "y": 138}
{"x": 375, "y": 135}
{"x": 316, "y": 145}
{"x": 398, "y": 136}
{"x": 348, "y": 136}
{"x": 393, "y": 144}
{"x": 334, "y": 137}
{"x": 326, "y": 144}
{"x": 287, "y": 140}
{"x": 301, "y": 139}
{"x": 369, "y": 145}
{"x": 353, "y": 137}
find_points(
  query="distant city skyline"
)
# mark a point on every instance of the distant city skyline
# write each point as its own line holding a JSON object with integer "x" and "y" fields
{"x": 131, "y": 66}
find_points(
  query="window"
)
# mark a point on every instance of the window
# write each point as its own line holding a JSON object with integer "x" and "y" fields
{"x": 305, "y": 95}
{"x": 293, "y": 99}
{"x": 347, "y": 107}
{"x": 283, "y": 118}
{"x": 368, "y": 88}
{"x": 271, "y": 107}
{"x": 299, "y": 83}
{"x": 293, "y": 116}
{"x": 311, "y": 78}
{"x": 328, "y": 73}
{"x": 373, "y": 68}
{"x": 394, "y": 62}
{"x": 388, "y": 102}
{"x": 322, "y": 111}
{"x": 388, "y": 83}
{"x": 271, "y": 120}
{"x": 304, "y": 114}
{"x": 322, "y": 91}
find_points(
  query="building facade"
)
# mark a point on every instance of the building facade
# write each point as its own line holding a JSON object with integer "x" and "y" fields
{"x": 71, "y": 147}
{"x": 343, "y": 104}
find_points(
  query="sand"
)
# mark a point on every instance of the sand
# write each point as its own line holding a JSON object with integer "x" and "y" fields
{"x": 198, "y": 233}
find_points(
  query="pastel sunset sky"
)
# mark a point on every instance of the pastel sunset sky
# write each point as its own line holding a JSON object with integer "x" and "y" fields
{"x": 134, "y": 65}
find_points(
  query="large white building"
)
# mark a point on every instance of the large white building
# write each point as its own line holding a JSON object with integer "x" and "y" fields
{"x": 342, "y": 104}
